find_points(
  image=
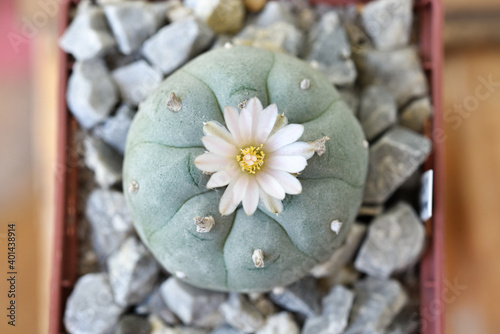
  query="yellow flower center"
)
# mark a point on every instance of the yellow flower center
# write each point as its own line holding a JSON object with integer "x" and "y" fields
{"x": 251, "y": 159}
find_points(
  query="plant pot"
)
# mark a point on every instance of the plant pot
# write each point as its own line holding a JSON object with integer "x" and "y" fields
{"x": 65, "y": 260}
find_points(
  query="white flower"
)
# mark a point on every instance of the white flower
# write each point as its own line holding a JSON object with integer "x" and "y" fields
{"x": 255, "y": 157}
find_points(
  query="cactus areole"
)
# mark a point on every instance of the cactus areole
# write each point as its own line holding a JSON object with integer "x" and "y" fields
{"x": 236, "y": 167}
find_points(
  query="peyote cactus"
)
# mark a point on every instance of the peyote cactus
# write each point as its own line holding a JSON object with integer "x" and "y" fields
{"x": 247, "y": 248}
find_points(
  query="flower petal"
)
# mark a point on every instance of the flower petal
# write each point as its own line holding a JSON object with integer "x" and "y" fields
{"x": 210, "y": 162}
{"x": 281, "y": 121}
{"x": 227, "y": 204}
{"x": 240, "y": 188}
{"x": 214, "y": 128}
{"x": 220, "y": 179}
{"x": 270, "y": 185}
{"x": 255, "y": 107}
{"x": 219, "y": 146}
{"x": 272, "y": 204}
{"x": 301, "y": 148}
{"x": 290, "y": 183}
{"x": 251, "y": 199}
{"x": 283, "y": 137}
{"x": 288, "y": 164}
{"x": 266, "y": 123}
{"x": 231, "y": 117}
{"x": 245, "y": 126}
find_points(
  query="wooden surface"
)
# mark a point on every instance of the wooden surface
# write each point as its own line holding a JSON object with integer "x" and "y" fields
{"x": 473, "y": 181}
{"x": 27, "y": 148}
{"x": 473, "y": 192}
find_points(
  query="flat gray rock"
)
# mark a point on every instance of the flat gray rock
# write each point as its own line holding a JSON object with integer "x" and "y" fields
{"x": 91, "y": 93}
{"x": 109, "y": 219}
{"x": 274, "y": 12}
{"x": 133, "y": 324}
{"x": 178, "y": 11}
{"x": 103, "y": 161}
{"x": 226, "y": 329}
{"x": 132, "y": 272}
{"x": 90, "y": 308}
{"x": 376, "y": 304}
{"x": 155, "y": 305}
{"x": 377, "y": 111}
{"x": 333, "y": 319}
{"x": 351, "y": 98}
{"x": 416, "y": 114}
{"x": 88, "y": 35}
{"x": 343, "y": 255}
{"x": 136, "y": 81}
{"x": 329, "y": 50}
{"x": 132, "y": 22}
{"x": 280, "y": 323}
{"x": 393, "y": 159}
{"x": 263, "y": 303}
{"x": 117, "y": 60}
{"x": 177, "y": 43}
{"x": 160, "y": 328}
{"x": 302, "y": 297}
{"x": 345, "y": 276}
{"x": 192, "y": 305}
{"x": 241, "y": 314}
{"x": 394, "y": 242}
{"x": 400, "y": 71}
{"x": 388, "y": 22}
{"x": 279, "y": 37}
{"x": 115, "y": 129}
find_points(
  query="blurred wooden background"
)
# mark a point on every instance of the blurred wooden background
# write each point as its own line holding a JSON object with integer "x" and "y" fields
{"x": 473, "y": 167}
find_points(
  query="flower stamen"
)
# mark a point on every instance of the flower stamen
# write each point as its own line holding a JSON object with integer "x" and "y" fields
{"x": 251, "y": 158}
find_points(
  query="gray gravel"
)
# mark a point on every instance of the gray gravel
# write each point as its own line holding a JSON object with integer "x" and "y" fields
{"x": 115, "y": 129}
{"x": 388, "y": 22}
{"x": 132, "y": 272}
{"x": 274, "y": 12}
{"x": 334, "y": 317}
{"x": 192, "y": 305}
{"x": 177, "y": 43}
{"x": 343, "y": 255}
{"x": 416, "y": 114}
{"x": 103, "y": 161}
{"x": 400, "y": 71}
{"x": 377, "y": 111}
{"x": 90, "y": 308}
{"x": 109, "y": 219}
{"x": 91, "y": 93}
{"x": 376, "y": 304}
{"x": 136, "y": 81}
{"x": 279, "y": 37}
{"x": 393, "y": 159}
{"x": 88, "y": 35}
{"x": 302, "y": 297}
{"x": 280, "y": 323}
{"x": 398, "y": 228}
{"x": 328, "y": 48}
{"x": 132, "y": 22}
{"x": 241, "y": 314}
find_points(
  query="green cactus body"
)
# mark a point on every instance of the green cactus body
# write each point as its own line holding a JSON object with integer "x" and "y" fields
{"x": 165, "y": 191}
